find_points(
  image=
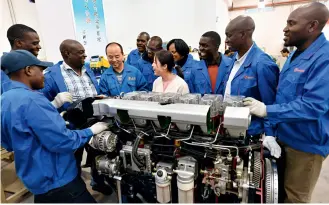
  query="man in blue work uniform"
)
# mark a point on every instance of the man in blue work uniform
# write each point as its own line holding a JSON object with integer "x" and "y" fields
{"x": 252, "y": 74}
{"x": 32, "y": 128}
{"x": 301, "y": 109}
{"x": 73, "y": 77}
{"x": 145, "y": 64}
{"x": 120, "y": 77}
{"x": 137, "y": 54}
{"x": 21, "y": 37}
{"x": 213, "y": 65}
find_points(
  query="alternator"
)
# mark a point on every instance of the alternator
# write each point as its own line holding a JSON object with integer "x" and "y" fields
{"x": 107, "y": 166}
{"x": 105, "y": 141}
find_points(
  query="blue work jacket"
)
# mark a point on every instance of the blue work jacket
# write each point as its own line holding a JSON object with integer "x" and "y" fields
{"x": 133, "y": 58}
{"x": 54, "y": 83}
{"x": 132, "y": 80}
{"x": 301, "y": 109}
{"x": 200, "y": 77}
{"x": 4, "y": 80}
{"x": 187, "y": 68}
{"x": 145, "y": 67}
{"x": 257, "y": 78}
{"x": 32, "y": 128}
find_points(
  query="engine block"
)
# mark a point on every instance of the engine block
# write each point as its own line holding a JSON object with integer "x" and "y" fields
{"x": 183, "y": 149}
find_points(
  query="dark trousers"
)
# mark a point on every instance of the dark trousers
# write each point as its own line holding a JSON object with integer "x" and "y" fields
{"x": 73, "y": 192}
{"x": 78, "y": 158}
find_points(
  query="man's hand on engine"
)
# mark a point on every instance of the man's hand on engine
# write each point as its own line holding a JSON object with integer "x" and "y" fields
{"x": 270, "y": 143}
{"x": 62, "y": 98}
{"x": 256, "y": 107}
{"x": 99, "y": 127}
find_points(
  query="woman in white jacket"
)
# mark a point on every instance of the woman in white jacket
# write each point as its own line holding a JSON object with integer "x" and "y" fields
{"x": 168, "y": 82}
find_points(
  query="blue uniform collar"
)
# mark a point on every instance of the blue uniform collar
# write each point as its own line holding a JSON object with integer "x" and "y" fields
{"x": 126, "y": 69}
{"x": 249, "y": 57}
{"x": 247, "y": 62}
{"x": 188, "y": 62}
{"x": 136, "y": 52}
{"x": 18, "y": 85}
{"x": 15, "y": 84}
{"x": 226, "y": 62}
{"x": 307, "y": 54}
{"x": 55, "y": 72}
{"x": 314, "y": 47}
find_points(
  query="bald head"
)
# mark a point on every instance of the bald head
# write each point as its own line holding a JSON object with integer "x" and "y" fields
{"x": 239, "y": 33}
{"x": 73, "y": 53}
{"x": 68, "y": 44}
{"x": 242, "y": 23}
{"x": 314, "y": 11}
{"x": 305, "y": 24}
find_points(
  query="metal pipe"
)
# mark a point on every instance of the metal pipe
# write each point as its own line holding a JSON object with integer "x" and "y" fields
{"x": 118, "y": 179}
{"x": 282, "y": 3}
{"x": 12, "y": 11}
{"x": 189, "y": 136}
{"x": 207, "y": 145}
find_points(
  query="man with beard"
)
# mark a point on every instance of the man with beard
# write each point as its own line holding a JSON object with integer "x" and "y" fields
{"x": 145, "y": 64}
{"x": 300, "y": 112}
{"x": 253, "y": 73}
{"x": 137, "y": 54}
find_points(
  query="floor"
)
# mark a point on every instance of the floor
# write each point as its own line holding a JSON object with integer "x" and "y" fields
{"x": 320, "y": 194}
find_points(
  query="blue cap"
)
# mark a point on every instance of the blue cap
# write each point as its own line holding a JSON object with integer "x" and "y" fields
{"x": 19, "y": 59}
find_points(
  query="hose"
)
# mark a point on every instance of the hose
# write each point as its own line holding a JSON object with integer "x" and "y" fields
{"x": 140, "y": 197}
{"x": 135, "y": 156}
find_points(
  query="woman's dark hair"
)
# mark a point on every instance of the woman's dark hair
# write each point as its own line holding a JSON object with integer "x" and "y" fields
{"x": 180, "y": 45}
{"x": 285, "y": 50}
{"x": 166, "y": 58}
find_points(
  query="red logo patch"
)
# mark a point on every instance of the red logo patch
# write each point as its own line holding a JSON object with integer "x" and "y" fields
{"x": 297, "y": 70}
{"x": 248, "y": 77}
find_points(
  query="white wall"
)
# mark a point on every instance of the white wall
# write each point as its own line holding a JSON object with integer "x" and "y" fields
{"x": 125, "y": 19}
{"x": 269, "y": 27}
{"x": 25, "y": 13}
{"x": 186, "y": 19}
{"x": 56, "y": 23}
{"x": 269, "y": 24}
{"x": 5, "y": 23}
{"x": 223, "y": 18}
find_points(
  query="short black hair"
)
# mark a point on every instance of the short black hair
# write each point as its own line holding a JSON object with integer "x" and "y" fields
{"x": 114, "y": 43}
{"x": 285, "y": 50}
{"x": 158, "y": 41}
{"x": 180, "y": 45}
{"x": 145, "y": 34}
{"x": 17, "y": 31}
{"x": 214, "y": 36}
{"x": 227, "y": 51}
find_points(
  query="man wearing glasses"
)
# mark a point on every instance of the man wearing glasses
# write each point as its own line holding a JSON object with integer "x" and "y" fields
{"x": 145, "y": 63}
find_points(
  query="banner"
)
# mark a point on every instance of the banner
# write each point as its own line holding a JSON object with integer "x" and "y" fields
{"x": 90, "y": 28}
